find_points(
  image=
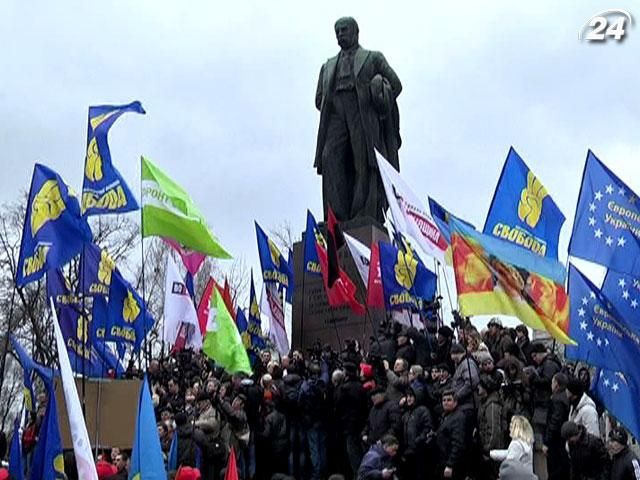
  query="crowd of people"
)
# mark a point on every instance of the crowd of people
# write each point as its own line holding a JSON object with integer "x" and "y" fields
{"x": 416, "y": 406}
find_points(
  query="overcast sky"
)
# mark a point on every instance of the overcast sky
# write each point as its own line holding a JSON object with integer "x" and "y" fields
{"x": 229, "y": 92}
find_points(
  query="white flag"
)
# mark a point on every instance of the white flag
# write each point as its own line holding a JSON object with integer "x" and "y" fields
{"x": 179, "y": 309}
{"x": 79, "y": 436}
{"x": 361, "y": 256}
{"x": 410, "y": 216}
{"x": 271, "y": 306}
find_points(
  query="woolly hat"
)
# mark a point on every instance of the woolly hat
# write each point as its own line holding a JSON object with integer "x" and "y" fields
{"x": 569, "y": 429}
{"x": 457, "y": 348}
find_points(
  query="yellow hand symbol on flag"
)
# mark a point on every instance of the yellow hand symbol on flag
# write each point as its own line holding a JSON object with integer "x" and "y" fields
{"x": 405, "y": 269}
{"x": 82, "y": 330}
{"x": 47, "y": 205}
{"x": 255, "y": 310}
{"x": 93, "y": 165}
{"x": 275, "y": 253}
{"x": 531, "y": 197}
{"x": 130, "y": 308}
{"x": 105, "y": 268}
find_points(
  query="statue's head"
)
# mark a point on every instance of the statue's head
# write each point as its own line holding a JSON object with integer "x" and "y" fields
{"x": 347, "y": 32}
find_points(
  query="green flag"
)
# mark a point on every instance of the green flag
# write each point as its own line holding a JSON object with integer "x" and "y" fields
{"x": 222, "y": 341}
{"x": 168, "y": 211}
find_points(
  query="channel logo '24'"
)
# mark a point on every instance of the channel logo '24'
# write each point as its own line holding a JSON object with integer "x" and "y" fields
{"x": 608, "y": 24}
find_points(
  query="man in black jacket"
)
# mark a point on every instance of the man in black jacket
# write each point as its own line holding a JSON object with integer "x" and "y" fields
{"x": 553, "y": 443}
{"x": 547, "y": 366}
{"x": 417, "y": 428}
{"x": 589, "y": 459}
{"x": 450, "y": 439}
{"x": 384, "y": 418}
{"x": 625, "y": 464}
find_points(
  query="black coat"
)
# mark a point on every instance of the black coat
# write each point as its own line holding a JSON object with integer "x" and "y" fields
{"x": 588, "y": 457}
{"x": 541, "y": 384}
{"x": 625, "y": 466}
{"x": 417, "y": 428}
{"x": 384, "y": 419}
{"x": 274, "y": 433}
{"x": 351, "y": 406}
{"x": 557, "y": 414}
{"x": 422, "y": 346}
{"x": 450, "y": 439}
{"x": 407, "y": 352}
{"x": 186, "y": 445}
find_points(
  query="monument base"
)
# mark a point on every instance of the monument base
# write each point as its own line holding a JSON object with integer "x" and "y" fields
{"x": 314, "y": 320}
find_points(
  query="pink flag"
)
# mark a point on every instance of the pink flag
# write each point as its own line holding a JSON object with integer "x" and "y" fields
{"x": 192, "y": 260}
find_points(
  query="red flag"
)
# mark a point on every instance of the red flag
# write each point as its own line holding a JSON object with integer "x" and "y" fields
{"x": 342, "y": 291}
{"x": 232, "y": 469}
{"x": 181, "y": 338}
{"x": 225, "y": 293}
{"x": 203, "y": 306}
{"x": 375, "y": 295}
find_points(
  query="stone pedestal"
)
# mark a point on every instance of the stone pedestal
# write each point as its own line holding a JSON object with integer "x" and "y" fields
{"x": 313, "y": 318}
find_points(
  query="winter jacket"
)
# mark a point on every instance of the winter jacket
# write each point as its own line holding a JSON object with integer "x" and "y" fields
{"x": 490, "y": 423}
{"x": 396, "y": 385}
{"x": 422, "y": 346}
{"x": 351, "y": 406}
{"x": 275, "y": 433}
{"x": 186, "y": 445}
{"x": 625, "y": 466}
{"x": 585, "y": 414}
{"x": 383, "y": 419}
{"x": 510, "y": 470}
{"x": 518, "y": 451}
{"x": 407, "y": 352}
{"x": 557, "y": 414}
{"x": 374, "y": 461}
{"x": 588, "y": 457}
{"x": 465, "y": 380}
{"x": 290, "y": 394}
{"x": 209, "y": 421}
{"x": 417, "y": 428}
{"x": 312, "y": 401}
{"x": 541, "y": 384}
{"x": 450, "y": 439}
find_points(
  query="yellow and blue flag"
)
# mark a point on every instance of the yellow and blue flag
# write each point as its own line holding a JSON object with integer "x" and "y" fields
{"x": 103, "y": 188}
{"x": 275, "y": 269}
{"x": 27, "y": 368}
{"x": 147, "y": 462}
{"x": 16, "y": 470}
{"x": 604, "y": 337}
{"x": 619, "y": 396}
{"x": 54, "y": 231}
{"x": 522, "y": 211}
{"x": 128, "y": 319}
{"x": 312, "y": 237}
{"x": 96, "y": 267}
{"x": 497, "y": 277}
{"x": 606, "y": 229}
{"x": 623, "y": 291}
{"x": 48, "y": 461}
{"x": 405, "y": 279}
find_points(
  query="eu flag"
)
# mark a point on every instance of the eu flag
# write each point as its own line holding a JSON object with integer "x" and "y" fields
{"x": 603, "y": 338}
{"x": 96, "y": 267}
{"x": 404, "y": 278}
{"x": 522, "y": 211}
{"x": 27, "y": 367}
{"x": 53, "y": 231}
{"x": 623, "y": 291}
{"x": 619, "y": 395}
{"x": 103, "y": 188}
{"x": 606, "y": 229}
{"x": 128, "y": 319}
{"x": 311, "y": 237}
{"x": 274, "y": 267}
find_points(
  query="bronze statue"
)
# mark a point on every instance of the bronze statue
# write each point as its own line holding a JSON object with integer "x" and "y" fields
{"x": 356, "y": 96}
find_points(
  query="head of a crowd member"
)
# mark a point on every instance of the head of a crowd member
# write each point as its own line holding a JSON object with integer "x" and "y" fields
{"x": 189, "y": 396}
{"x": 239, "y": 402}
{"x": 203, "y": 402}
{"x": 457, "y": 353}
{"x": 400, "y": 366}
{"x": 41, "y": 399}
{"x": 571, "y": 432}
{"x": 154, "y": 367}
{"x": 445, "y": 334}
{"x": 266, "y": 381}
{"x": 174, "y": 387}
{"x": 575, "y": 390}
{"x": 378, "y": 396}
{"x": 390, "y": 445}
{"x": 585, "y": 377}
{"x": 285, "y": 361}
{"x": 416, "y": 372}
{"x": 297, "y": 356}
{"x": 495, "y": 326}
{"x": 410, "y": 397}
{"x": 196, "y": 388}
{"x": 122, "y": 462}
{"x": 538, "y": 352}
{"x": 520, "y": 429}
{"x": 314, "y": 369}
{"x": 435, "y": 374}
{"x": 115, "y": 451}
{"x": 445, "y": 372}
{"x": 337, "y": 377}
{"x": 165, "y": 415}
{"x": 522, "y": 333}
{"x": 559, "y": 382}
{"x": 212, "y": 386}
{"x": 449, "y": 401}
{"x": 402, "y": 338}
{"x": 162, "y": 430}
{"x": 485, "y": 361}
{"x": 618, "y": 439}
{"x": 265, "y": 356}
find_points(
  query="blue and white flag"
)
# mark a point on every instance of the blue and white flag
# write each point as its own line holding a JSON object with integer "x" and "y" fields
{"x": 606, "y": 229}
{"x": 619, "y": 396}
{"x": 623, "y": 291}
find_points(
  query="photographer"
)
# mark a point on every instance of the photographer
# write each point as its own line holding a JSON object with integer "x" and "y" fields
{"x": 378, "y": 461}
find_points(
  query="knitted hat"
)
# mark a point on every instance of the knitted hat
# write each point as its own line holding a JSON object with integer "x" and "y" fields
{"x": 495, "y": 321}
{"x": 367, "y": 370}
{"x": 568, "y": 430}
{"x": 445, "y": 331}
{"x": 482, "y": 356}
{"x": 457, "y": 348}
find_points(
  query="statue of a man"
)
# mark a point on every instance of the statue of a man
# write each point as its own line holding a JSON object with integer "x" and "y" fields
{"x": 356, "y": 96}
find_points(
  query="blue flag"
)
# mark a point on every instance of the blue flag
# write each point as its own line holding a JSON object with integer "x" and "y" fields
{"x": 146, "y": 455}
{"x": 274, "y": 267}
{"x": 16, "y": 471}
{"x": 522, "y": 211}
{"x": 606, "y": 229}
{"x": 311, "y": 237}
{"x": 53, "y": 231}
{"x": 103, "y": 188}
{"x": 404, "y": 278}
{"x": 289, "y": 294}
{"x": 96, "y": 268}
{"x": 27, "y": 367}
{"x": 623, "y": 291}
{"x": 59, "y": 288}
{"x": 172, "y": 458}
{"x": 619, "y": 395}
{"x": 255, "y": 322}
{"x": 47, "y": 462}
{"x": 245, "y": 335}
{"x": 441, "y": 216}
{"x": 128, "y": 319}
{"x": 603, "y": 339}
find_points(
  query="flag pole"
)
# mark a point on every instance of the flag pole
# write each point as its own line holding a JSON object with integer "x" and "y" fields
{"x": 146, "y": 346}
{"x": 83, "y": 317}
{"x": 304, "y": 274}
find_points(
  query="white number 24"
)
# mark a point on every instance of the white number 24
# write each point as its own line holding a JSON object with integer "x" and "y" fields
{"x": 599, "y": 24}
